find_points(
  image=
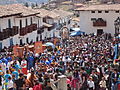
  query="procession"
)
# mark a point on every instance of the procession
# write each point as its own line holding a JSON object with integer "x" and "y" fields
{"x": 87, "y": 61}
{"x": 59, "y": 44}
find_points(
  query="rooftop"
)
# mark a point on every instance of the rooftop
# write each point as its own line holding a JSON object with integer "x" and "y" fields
{"x": 45, "y": 13}
{"x": 13, "y": 9}
{"x": 62, "y": 13}
{"x": 110, "y": 7}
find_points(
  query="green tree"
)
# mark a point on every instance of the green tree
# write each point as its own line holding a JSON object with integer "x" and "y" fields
{"x": 32, "y": 5}
{"x": 36, "y": 5}
{"x": 26, "y": 4}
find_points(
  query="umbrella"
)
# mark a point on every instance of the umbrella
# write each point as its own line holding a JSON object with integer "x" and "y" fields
{"x": 75, "y": 29}
{"x": 77, "y": 33}
{"x": 0, "y": 61}
{"x": 50, "y": 44}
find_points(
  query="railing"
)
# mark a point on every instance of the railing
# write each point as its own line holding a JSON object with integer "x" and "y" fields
{"x": 100, "y": 22}
{"x": 8, "y": 32}
{"x": 40, "y": 30}
{"x": 54, "y": 25}
{"x": 28, "y": 29}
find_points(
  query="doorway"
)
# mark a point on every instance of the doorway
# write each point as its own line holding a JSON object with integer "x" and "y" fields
{"x": 27, "y": 40}
{"x": 21, "y": 42}
{"x": 11, "y": 41}
{"x": 99, "y": 31}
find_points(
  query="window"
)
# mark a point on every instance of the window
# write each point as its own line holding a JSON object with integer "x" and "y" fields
{"x": 0, "y": 29}
{"x": 11, "y": 41}
{"x": 92, "y": 11}
{"x": 20, "y": 24}
{"x": 37, "y": 38}
{"x": 0, "y": 45}
{"x": 38, "y": 23}
{"x": 9, "y": 23}
{"x": 21, "y": 42}
{"x": 26, "y": 22}
{"x": 31, "y": 20}
{"x": 117, "y": 11}
{"x": 99, "y": 11}
{"x": 93, "y": 19}
{"x": 27, "y": 40}
{"x": 106, "y": 11}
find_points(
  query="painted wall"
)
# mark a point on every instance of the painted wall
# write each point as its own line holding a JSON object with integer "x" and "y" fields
{"x": 87, "y": 25}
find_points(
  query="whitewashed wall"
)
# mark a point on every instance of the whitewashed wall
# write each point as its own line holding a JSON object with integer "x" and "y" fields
{"x": 87, "y": 25}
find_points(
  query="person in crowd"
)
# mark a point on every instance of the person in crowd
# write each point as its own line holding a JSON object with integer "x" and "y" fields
{"x": 91, "y": 85}
{"x": 84, "y": 60}
{"x": 19, "y": 84}
{"x": 103, "y": 84}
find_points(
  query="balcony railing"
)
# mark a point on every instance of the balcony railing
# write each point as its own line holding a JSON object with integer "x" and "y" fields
{"x": 28, "y": 29}
{"x": 54, "y": 25}
{"x": 40, "y": 30}
{"x": 6, "y": 33}
{"x": 99, "y": 22}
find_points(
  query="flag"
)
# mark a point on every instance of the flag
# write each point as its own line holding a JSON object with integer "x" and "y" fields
{"x": 38, "y": 47}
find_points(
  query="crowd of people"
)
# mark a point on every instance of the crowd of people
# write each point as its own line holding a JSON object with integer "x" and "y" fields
{"x": 86, "y": 61}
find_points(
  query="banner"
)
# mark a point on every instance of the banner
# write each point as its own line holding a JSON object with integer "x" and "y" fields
{"x": 38, "y": 47}
{"x": 55, "y": 41}
{"x": 31, "y": 48}
{"x": 20, "y": 51}
{"x": 15, "y": 50}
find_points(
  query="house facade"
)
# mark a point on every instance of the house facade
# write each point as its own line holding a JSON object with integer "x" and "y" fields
{"x": 17, "y": 25}
{"x": 99, "y": 19}
{"x": 21, "y": 25}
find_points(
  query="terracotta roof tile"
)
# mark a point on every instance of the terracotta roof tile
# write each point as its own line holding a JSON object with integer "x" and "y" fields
{"x": 100, "y": 7}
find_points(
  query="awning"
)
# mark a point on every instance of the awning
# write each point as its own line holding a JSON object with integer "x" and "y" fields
{"x": 47, "y": 25}
{"x": 50, "y": 44}
{"x": 77, "y": 33}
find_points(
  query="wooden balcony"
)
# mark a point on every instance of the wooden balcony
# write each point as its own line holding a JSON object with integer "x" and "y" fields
{"x": 99, "y": 23}
{"x": 40, "y": 30}
{"x": 54, "y": 25}
{"x": 28, "y": 29}
{"x": 14, "y": 31}
{"x": 6, "y": 33}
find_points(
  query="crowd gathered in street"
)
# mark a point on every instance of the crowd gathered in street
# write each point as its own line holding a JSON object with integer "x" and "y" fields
{"x": 87, "y": 61}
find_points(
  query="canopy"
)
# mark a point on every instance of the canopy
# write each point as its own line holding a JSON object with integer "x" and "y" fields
{"x": 74, "y": 29}
{"x": 50, "y": 44}
{"x": 77, "y": 33}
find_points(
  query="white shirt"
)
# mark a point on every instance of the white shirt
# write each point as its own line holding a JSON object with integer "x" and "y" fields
{"x": 10, "y": 84}
{"x": 91, "y": 84}
{"x": 24, "y": 64}
{"x": 3, "y": 66}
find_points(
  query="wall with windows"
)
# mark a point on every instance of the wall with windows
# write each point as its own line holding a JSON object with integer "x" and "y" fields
{"x": 8, "y": 22}
{"x": 87, "y": 17}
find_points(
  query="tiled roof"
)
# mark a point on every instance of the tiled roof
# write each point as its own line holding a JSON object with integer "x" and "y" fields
{"x": 110, "y": 7}
{"x": 62, "y": 13}
{"x": 14, "y": 9}
{"x": 45, "y": 13}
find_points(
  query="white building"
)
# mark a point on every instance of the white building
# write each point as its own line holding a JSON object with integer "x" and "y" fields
{"x": 17, "y": 25}
{"x": 99, "y": 18}
{"x": 53, "y": 21}
{"x": 22, "y": 25}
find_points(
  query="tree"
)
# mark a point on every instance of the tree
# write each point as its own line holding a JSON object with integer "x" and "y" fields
{"x": 33, "y": 5}
{"x": 26, "y": 4}
{"x": 36, "y": 5}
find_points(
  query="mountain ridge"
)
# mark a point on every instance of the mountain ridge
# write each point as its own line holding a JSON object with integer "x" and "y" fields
{"x": 4, "y": 2}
